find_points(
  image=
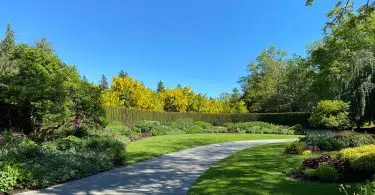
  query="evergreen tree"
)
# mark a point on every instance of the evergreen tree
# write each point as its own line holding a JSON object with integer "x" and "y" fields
{"x": 8, "y": 43}
{"x": 123, "y": 74}
{"x": 84, "y": 79}
{"x": 45, "y": 45}
{"x": 103, "y": 83}
{"x": 160, "y": 87}
{"x": 8, "y": 67}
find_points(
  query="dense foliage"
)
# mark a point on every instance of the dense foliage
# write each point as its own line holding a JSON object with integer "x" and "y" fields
{"x": 129, "y": 116}
{"x": 40, "y": 94}
{"x": 25, "y": 164}
{"x": 339, "y": 67}
{"x": 330, "y": 114}
{"x": 141, "y": 129}
{"x": 337, "y": 140}
{"x": 129, "y": 93}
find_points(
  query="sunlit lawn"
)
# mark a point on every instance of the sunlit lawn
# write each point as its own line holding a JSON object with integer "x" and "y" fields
{"x": 159, "y": 145}
{"x": 259, "y": 170}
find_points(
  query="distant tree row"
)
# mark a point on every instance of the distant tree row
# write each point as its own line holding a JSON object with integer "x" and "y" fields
{"x": 127, "y": 92}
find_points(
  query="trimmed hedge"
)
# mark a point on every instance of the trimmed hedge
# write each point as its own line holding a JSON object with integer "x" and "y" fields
{"x": 129, "y": 116}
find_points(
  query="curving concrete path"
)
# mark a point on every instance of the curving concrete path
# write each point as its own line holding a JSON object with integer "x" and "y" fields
{"x": 173, "y": 173}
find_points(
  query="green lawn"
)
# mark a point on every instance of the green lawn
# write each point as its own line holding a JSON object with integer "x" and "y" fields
{"x": 159, "y": 145}
{"x": 259, "y": 170}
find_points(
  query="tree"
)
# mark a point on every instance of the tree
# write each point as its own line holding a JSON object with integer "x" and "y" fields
{"x": 8, "y": 67}
{"x": 134, "y": 94}
{"x": 8, "y": 43}
{"x": 263, "y": 82}
{"x": 44, "y": 45}
{"x": 122, "y": 74}
{"x": 103, "y": 83}
{"x": 45, "y": 94}
{"x": 360, "y": 87}
{"x": 161, "y": 87}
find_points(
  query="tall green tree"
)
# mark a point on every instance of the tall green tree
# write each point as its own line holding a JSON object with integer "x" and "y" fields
{"x": 123, "y": 74}
{"x": 263, "y": 81}
{"x": 8, "y": 67}
{"x": 103, "y": 83}
{"x": 343, "y": 60}
{"x": 45, "y": 45}
{"x": 45, "y": 94}
{"x": 161, "y": 87}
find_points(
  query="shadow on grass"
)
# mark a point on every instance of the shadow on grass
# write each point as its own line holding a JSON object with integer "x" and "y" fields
{"x": 260, "y": 170}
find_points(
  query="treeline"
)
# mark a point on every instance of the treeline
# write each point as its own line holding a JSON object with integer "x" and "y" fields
{"x": 340, "y": 66}
{"x": 127, "y": 92}
{"x": 40, "y": 94}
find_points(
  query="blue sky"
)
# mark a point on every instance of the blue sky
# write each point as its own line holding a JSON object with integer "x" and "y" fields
{"x": 202, "y": 43}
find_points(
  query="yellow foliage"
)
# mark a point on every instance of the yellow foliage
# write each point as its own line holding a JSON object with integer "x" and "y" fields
{"x": 130, "y": 93}
{"x": 111, "y": 98}
{"x": 354, "y": 153}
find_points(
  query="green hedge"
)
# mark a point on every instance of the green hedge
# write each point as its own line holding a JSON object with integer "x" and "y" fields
{"x": 129, "y": 116}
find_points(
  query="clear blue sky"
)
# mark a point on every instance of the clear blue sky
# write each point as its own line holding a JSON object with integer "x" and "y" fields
{"x": 202, "y": 43}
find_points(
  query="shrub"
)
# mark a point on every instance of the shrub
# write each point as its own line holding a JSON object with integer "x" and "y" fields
{"x": 326, "y": 172}
{"x": 367, "y": 189}
{"x": 143, "y": 126}
{"x": 330, "y": 114}
{"x": 314, "y": 163}
{"x": 365, "y": 164}
{"x": 354, "y": 153}
{"x": 119, "y": 129}
{"x": 336, "y": 141}
{"x": 295, "y": 148}
{"x": 355, "y": 139}
{"x": 164, "y": 130}
{"x": 203, "y": 124}
{"x": 307, "y": 152}
{"x": 13, "y": 176}
{"x": 57, "y": 161}
{"x": 257, "y": 128}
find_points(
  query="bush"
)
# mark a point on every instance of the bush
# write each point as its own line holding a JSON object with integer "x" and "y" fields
{"x": 367, "y": 189}
{"x": 13, "y": 176}
{"x": 145, "y": 126}
{"x": 314, "y": 163}
{"x": 364, "y": 164}
{"x": 295, "y": 148}
{"x": 307, "y": 152}
{"x": 203, "y": 124}
{"x": 354, "y": 153}
{"x": 335, "y": 141}
{"x": 257, "y": 128}
{"x": 330, "y": 114}
{"x": 326, "y": 172}
{"x": 57, "y": 161}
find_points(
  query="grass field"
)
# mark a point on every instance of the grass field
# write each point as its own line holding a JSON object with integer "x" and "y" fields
{"x": 262, "y": 170}
{"x": 159, "y": 145}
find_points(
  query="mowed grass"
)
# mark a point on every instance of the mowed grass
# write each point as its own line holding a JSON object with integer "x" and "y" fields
{"x": 262, "y": 170}
{"x": 155, "y": 146}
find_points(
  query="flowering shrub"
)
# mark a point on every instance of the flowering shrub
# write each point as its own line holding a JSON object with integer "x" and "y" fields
{"x": 315, "y": 162}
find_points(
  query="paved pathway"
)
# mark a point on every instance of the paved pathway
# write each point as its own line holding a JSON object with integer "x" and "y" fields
{"x": 173, "y": 173}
